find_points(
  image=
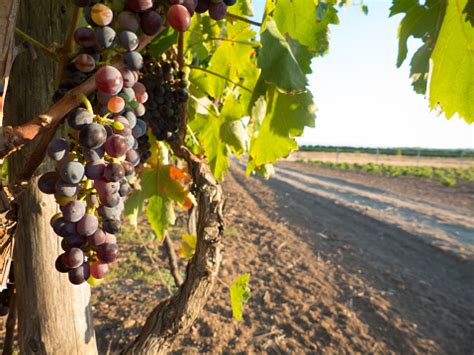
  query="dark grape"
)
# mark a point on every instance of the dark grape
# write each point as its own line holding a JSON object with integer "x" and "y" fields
{"x": 116, "y": 146}
{"x": 133, "y": 157}
{"x": 84, "y": 62}
{"x": 105, "y": 36}
{"x": 72, "y": 172}
{"x": 128, "y": 40}
{"x": 79, "y": 275}
{"x": 107, "y": 252}
{"x": 128, "y": 21}
{"x": 133, "y": 60}
{"x": 58, "y": 149}
{"x": 151, "y": 23}
{"x": 92, "y": 136}
{"x": 105, "y": 187}
{"x": 78, "y": 118}
{"x": 110, "y": 212}
{"x": 124, "y": 188}
{"x": 110, "y": 201}
{"x": 47, "y": 182}
{"x": 82, "y": 3}
{"x": 74, "y": 211}
{"x": 139, "y": 5}
{"x": 95, "y": 169}
{"x": 203, "y": 6}
{"x": 114, "y": 172}
{"x": 230, "y": 2}
{"x": 85, "y": 37}
{"x": 59, "y": 265}
{"x": 66, "y": 189}
{"x": 87, "y": 225}
{"x": 217, "y": 11}
{"x": 73, "y": 241}
{"x": 73, "y": 258}
{"x": 97, "y": 238}
{"x": 63, "y": 228}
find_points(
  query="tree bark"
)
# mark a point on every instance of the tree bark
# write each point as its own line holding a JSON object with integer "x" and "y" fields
{"x": 175, "y": 315}
{"x": 54, "y": 316}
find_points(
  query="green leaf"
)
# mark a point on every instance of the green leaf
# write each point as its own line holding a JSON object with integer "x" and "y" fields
{"x": 452, "y": 79}
{"x": 162, "y": 42}
{"x": 420, "y": 68}
{"x": 279, "y": 65}
{"x": 209, "y": 133}
{"x": 233, "y": 133}
{"x": 301, "y": 20}
{"x": 239, "y": 295}
{"x": 364, "y": 8}
{"x": 158, "y": 182}
{"x": 420, "y": 21}
{"x": 187, "y": 246}
{"x": 160, "y": 214}
{"x": 286, "y": 117}
{"x": 134, "y": 206}
{"x": 469, "y": 11}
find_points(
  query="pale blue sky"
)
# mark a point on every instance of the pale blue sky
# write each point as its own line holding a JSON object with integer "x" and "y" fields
{"x": 363, "y": 99}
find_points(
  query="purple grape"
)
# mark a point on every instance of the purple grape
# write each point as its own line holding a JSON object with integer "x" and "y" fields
{"x": 66, "y": 189}
{"x": 87, "y": 225}
{"x": 73, "y": 258}
{"x": 114, "y": 172}
{"x": 73, "y": 241}
{"x": 92, "y": 136}
{"x": 58, "y": 149}
{"x": 105, "y": 187}
{"x": 85, "y": 37}
{"x": 202, "y": 6}
{"x": 78, "y": 118}
{"x": 59, "y": 265}
{"x": 64, "y": 229}
{"x": 74, "y": 211}
{"x": 131, "y": 118}
{"x": 151, "y": 22}
{"x": 72, "y": 172}
{"x": 105, "y": 36}
{"x": 47, "y": 182}
{"x": 128, "y": 21}
{"x": 129, "y": 41}
{"x": 79, "y": 275}
{"x": 110, "y": 212}
{"x": 107, "y": 252}
{"x": 133, "y": 157}
{"x": 116, "y": 146}
{"x": 139, "y": 5}
{"x": 97, "y": 238}
{"x": 110, "y": 201}
{"x": 139, "y": 129}
{"x": 124, "y": 188}
{"x": 95, "y": 169}
{"x": 130, "y": 77}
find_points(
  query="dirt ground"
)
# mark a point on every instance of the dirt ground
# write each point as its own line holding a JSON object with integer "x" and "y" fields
{"x": 326, "y": 276}
{"x": 364, "y": 158}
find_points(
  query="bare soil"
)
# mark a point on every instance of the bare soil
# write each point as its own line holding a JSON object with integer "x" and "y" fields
{"x": 327, "y": 275}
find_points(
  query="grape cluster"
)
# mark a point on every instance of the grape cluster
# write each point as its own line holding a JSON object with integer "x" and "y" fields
{"x": 180, "y": 11}
{"x": 166, "y": 87}
{"x": 91, "y": 179}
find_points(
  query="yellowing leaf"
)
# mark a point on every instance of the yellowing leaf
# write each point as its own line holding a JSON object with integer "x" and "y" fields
{"x": 239, "y": 295}
{"x": 188, "y": 246}
{"x": 160, "y": 214}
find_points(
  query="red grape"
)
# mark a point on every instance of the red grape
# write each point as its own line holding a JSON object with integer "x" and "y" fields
{"x": 109, "y": 80}
{"x": 179, "y": 17}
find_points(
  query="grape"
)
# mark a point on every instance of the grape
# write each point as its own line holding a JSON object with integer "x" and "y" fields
{"x": 66, "y": 189}
{"x": 133, "y": 157}
{"x": 179, "y": 17}
{"x": 124, "y": 188}
{"x": 72, "y": 172}
{"x": 64, "y": 229}
{"x": 128, "y": 21}
{"x": 109, "y": 80}
{"x": 47, "y": 182}
{"x": 190, "y": 5}
{"x": 129, "y": 169}
{"x": 203, "y": 6}
{"x": 112, "y": 200}
{"x": 110, "y": 212}
{"x": 151, "y": 23}
{"x": 73, "y": 258}
{"x": 131, "y": 118}
{"x": 92, "y": 136}
{"x": 63, "y": 200}
{"x": 97, "y": 238}
{"x": 101, "y": 14}
{"x": 140, "y": 110}
{"x": 116, "y": 104}
{"x": 84, "y": 62}
{"x": 129, "y": 77}
{"x": 139, "y": 129}
{"x": 74, "y": 211}
{"x": 114, "y": 172}
{"x": 230, "y": 2}
{"x": 72, "y": 241}
{"x": 87, "y": 225}
{"x": 217, "y": 11}
{"x": 78, "y": 118}
{"x": 116, "y": 146}
{"x": 111, "y": 239}
{"x": 133, "y": 60}
{"x": 128, "y": 40}
{"x": 105, "y": 36}
{"x": 99, "y": 270}
{"x": 79, "y": 275}
{"x": 58, "y": 149}
{"x": 139, "y": 5}
{"x": 142, "y": 98}
{"x": 139, "y": 88}
{"x": 107, "y": 252}
{"x": 85, "y": 37}
{"x": 59, "y": 265}
{"x": 105, "y": 187}
{"x": 93, "y": 154}
{"x": 77, "y": 78}
{"x": 128, "y": 94}
{"x": 95, "y": 169}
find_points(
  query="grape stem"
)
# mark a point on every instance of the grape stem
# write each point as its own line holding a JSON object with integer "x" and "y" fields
{"x": 83, "y": 99}
{"x": 37, "y": 44}
{"x": 230, "y": 16}
{"x": 220, "y": 76}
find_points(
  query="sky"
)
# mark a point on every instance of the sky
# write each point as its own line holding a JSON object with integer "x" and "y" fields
{"x": 363, "y": 99}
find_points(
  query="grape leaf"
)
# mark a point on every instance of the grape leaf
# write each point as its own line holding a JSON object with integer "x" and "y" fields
{"x": 134, "y": 207}
{"x": 233, "y": 133}
{"x": 158, "y": 182}
{"x": 239, "y": 295}
{"x": 420, "y": 68}
{"x": 162, "y": 42}
{"x": 160, "y": 214}
{"x": 300, "y": 20}
{"x": 469, "y": 11}
{"x": 452, "y": 84}
{"x": 286, "y": 117}
{"x": 187, "y": 246}
{"x": 279, "y": 65}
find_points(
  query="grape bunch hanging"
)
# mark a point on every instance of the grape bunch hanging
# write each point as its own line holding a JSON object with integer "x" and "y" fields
{"x": 107, "y": 138}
